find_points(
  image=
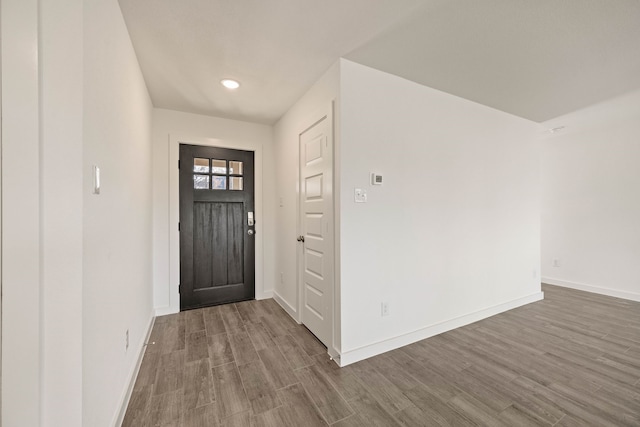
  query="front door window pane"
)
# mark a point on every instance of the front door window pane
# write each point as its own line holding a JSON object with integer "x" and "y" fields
{"x": 201, "y": 182}
{"x": 201, "y": 165}
{"x": 235, "y": 183}
{"x": 218, "y": 166}
{"x": 235, "y": 168}
{"x": 218, "y": 182}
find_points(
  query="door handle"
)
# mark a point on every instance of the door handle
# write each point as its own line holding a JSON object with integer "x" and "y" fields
{"x": 251, "y": 232}
{"x": 300, "y": 239}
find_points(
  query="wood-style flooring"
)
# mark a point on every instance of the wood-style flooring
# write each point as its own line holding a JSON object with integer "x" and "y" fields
{"x": 570, "y": 360}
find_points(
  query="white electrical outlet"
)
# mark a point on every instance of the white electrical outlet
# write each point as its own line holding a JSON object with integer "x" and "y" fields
{"x": 384, "y": 309}
{"x": 359, "y": 195}
{"x": 126, "y": 340}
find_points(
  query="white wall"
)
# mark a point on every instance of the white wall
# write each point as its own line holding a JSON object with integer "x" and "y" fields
{"x": 453, "y": 234}
{"x": 117, "y": 239}
{"x": 61, "y": 210}
{"x": 171, "y": 127}
{"x": 21, "y": 259}
{"x": 300, "y": 116}
{"x": 591, "y": 199}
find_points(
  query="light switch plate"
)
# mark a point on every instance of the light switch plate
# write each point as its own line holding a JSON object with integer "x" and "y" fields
{"x": 96, "y": 180}
{"x": 360, "y": 195}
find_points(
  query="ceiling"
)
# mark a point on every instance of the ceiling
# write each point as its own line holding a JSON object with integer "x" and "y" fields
{"x": 537, "y": 59}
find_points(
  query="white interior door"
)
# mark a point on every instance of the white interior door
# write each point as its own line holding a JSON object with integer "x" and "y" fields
{"x": 315, "y": 262}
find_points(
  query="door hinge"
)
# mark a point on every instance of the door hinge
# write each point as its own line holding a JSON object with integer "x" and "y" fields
{"x": 178, "y": 226}
{"x": 178, "y": 164}
{"x": 179, "y": 288}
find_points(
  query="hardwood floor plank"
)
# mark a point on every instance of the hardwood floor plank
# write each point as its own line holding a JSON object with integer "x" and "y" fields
{"x": 229, "y": 391}
{"x": 259, "y": 336}
{"x": 247, "y": 313}
{"x": 326, "y": 398}
{"x": 476, "y": 410}
{"x": 382, "y": 390}
{"x": 204, "y": 416}
{"x": 169, "y": 375}
{"x": 513, "y": 416}
{"x": 394, "y": 372}
{"x": 197, "y": 385}
{"x": 372, "y": 412}
{"x": 260, "y": 392}
{"x": 174, "y": 336}
{"x": 278, "y": 370}
{"x": 139, "y": 407}
{"x": 354, "y": 420}
{"x": 220, "y": 352}
{"x": 342, "y": 379}
{"x": 294, "y": 354}
{"x": 285, "y": 319}
{"x": 414, "y": 417}
{"x": 272, "y": 326}
{"x": 197, "y": 346}
{"x": 231, "y": 319}
{"x": 297, "y": 410}
{"x": 436, "y": 409}
{"x": 166, "y": 409}
{"x": 148, "y": 370}
{"x": 242, "y": 347}
{"x": 533, "y": 405}
{"x": 440, "y": 386}
{"x": 309, "y": 343}
{"x": 261, "y": 307}
{"x": 194, "y": 321}
{"x": 604, "y": 409}
{"x": 213, "y": 322}
{"x": 576, "y": 410}
{"x": 242, "y": 419}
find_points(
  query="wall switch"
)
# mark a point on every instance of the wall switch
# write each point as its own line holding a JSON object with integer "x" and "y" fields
{"x": 384, "y": 309}
{"x": 126, "y": 340}
{"x": 556, "y": 262}
{"x": 96, "y": 180}
{"x": 360, "y": 195}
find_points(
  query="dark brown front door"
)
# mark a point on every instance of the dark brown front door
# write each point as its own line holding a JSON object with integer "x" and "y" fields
{"x": 217, "y": 235}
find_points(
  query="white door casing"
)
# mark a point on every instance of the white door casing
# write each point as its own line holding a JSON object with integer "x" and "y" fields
{"x": 316, "y": 251}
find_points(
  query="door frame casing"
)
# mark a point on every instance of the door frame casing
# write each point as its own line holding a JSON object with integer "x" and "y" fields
{"x": 174, "y": 215}
{"x": 312, "y": 120}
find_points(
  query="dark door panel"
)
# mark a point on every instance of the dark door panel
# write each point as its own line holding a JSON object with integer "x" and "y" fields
{"x": 217, "y": 247}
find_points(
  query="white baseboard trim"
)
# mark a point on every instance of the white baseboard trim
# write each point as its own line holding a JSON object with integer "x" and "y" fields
{"x": 351, "y": 356}
{"x": 286, "y": 306}
{"x": 124, "y": 401}
{"x": 163, "y": 311}
{"x": 264, "y": 295}
{"x": 594, "y": 289}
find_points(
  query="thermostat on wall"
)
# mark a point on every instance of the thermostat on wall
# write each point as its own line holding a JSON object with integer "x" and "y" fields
{"x": 376, "y": 179}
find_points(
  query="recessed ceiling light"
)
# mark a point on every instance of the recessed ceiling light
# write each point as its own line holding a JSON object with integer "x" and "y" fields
{"x": 230, "y": 84}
